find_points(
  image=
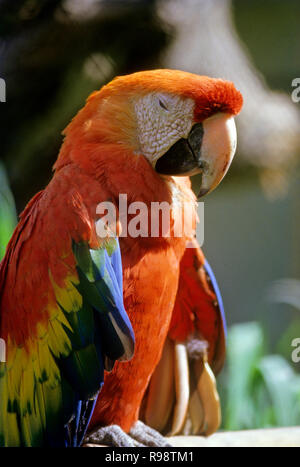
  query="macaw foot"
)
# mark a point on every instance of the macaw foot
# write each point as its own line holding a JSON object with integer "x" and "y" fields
{"x": 148, "y": 436}
{"x": 111, "y": 435}
{"x": 140, "y": 435}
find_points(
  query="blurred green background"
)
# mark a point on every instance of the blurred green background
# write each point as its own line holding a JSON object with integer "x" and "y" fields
{"x": 54, "y": 53}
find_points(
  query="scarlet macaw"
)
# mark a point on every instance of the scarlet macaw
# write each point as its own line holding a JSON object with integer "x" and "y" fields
{"x": 62, "y": 287}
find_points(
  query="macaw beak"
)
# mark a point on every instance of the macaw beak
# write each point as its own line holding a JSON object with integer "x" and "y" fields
{"x": 208, "y": 150}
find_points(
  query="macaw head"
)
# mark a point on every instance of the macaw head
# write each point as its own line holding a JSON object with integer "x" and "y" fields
{"x": 182, "y": 123}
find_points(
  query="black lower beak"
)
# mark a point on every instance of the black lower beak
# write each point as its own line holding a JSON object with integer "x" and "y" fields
{"x": 184, "y": 156}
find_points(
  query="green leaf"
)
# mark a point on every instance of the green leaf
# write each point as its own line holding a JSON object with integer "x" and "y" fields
{"x": 283, "y": 386}
{"x": 259, "y": 390}
{"x": 245, "y": 347}
{"x": 8, "y": 215}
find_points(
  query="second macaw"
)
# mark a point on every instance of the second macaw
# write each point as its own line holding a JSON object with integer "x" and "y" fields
{"x": 64, "y": 289}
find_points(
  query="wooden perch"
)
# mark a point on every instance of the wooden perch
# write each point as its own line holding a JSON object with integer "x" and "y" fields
{"x": 271, "y": 437}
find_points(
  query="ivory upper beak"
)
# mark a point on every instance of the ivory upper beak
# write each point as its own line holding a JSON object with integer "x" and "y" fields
{"x": 217, "y": 149}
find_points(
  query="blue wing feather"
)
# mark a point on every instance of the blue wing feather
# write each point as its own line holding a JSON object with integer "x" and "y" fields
{"x": 101, "y": 286}
{"x": 215, "y": 286}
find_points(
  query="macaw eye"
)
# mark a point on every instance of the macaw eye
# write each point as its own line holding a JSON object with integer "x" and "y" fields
{"x": 162, "y": 104}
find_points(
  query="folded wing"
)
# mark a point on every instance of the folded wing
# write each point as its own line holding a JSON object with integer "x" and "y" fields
{"x": 64, "y": 322}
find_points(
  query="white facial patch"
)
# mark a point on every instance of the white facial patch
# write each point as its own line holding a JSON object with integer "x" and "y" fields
{"x": 162, "y": 120}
